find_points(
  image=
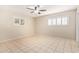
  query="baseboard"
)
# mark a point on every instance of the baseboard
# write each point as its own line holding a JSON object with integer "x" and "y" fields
{"x": 15, "y": 38}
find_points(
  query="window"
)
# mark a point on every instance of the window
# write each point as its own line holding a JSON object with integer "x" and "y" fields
{"x": 58, "y": 21}
{"x": 49, "y": 22}
{"x": 53, "y": 21}
{"x": 64, "y": 20}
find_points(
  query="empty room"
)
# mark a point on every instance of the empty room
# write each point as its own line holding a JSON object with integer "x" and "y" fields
{"x": 39, "y": 29}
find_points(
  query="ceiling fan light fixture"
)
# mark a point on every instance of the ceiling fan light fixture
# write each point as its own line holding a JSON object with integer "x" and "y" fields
{"x": 36, "y": 10}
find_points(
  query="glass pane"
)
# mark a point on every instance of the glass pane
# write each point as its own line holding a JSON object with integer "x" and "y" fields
{"x": 49, "y": 22}
{"x": 64, "y": 20}
{"x": 58, "y": 20}
{"x": 54, "y": 21}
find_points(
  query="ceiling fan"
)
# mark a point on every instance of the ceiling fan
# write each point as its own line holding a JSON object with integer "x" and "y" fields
{"x": 37, "y": 9}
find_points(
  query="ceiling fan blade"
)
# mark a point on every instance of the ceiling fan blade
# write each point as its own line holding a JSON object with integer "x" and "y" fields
{"x": 39, "y": 13}
{"x": 43, "y": 10}
{"x": 32, "y": 12}
{"x": 30, "y": 8}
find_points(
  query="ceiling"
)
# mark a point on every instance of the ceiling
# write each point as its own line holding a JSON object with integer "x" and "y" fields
{"x": 50, "y": 9}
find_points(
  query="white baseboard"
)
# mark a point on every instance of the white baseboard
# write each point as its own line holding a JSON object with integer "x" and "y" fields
{"x": 15, "y": 38}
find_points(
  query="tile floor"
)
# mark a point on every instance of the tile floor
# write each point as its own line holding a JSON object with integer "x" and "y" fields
{"x": 40, "y": 44}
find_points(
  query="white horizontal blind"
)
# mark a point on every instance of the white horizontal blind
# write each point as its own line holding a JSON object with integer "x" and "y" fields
{"x": 58, "y": 21}
{"x": 53, "y": 21}
{"x": 49, "y": 22}
{"x": 64, "y": 20}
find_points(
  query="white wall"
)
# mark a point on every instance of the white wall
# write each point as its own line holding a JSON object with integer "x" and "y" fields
{"x": 77, "y": 24}
{"x": 9, "y": 30}
{"x": 58, "y": 31}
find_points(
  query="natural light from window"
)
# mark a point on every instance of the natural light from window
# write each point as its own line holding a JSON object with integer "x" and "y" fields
{"x": 58, "y": 21}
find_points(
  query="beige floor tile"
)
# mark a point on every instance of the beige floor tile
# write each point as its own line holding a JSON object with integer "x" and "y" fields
{"x": 60, "y": 46}
{"x": 67, "y": 47}
{"x": 40, "y": 44}
{"x": 4, "y": 49}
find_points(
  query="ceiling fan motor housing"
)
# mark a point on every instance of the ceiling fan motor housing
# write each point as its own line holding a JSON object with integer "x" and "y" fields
{"x": 36, "y": 9}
